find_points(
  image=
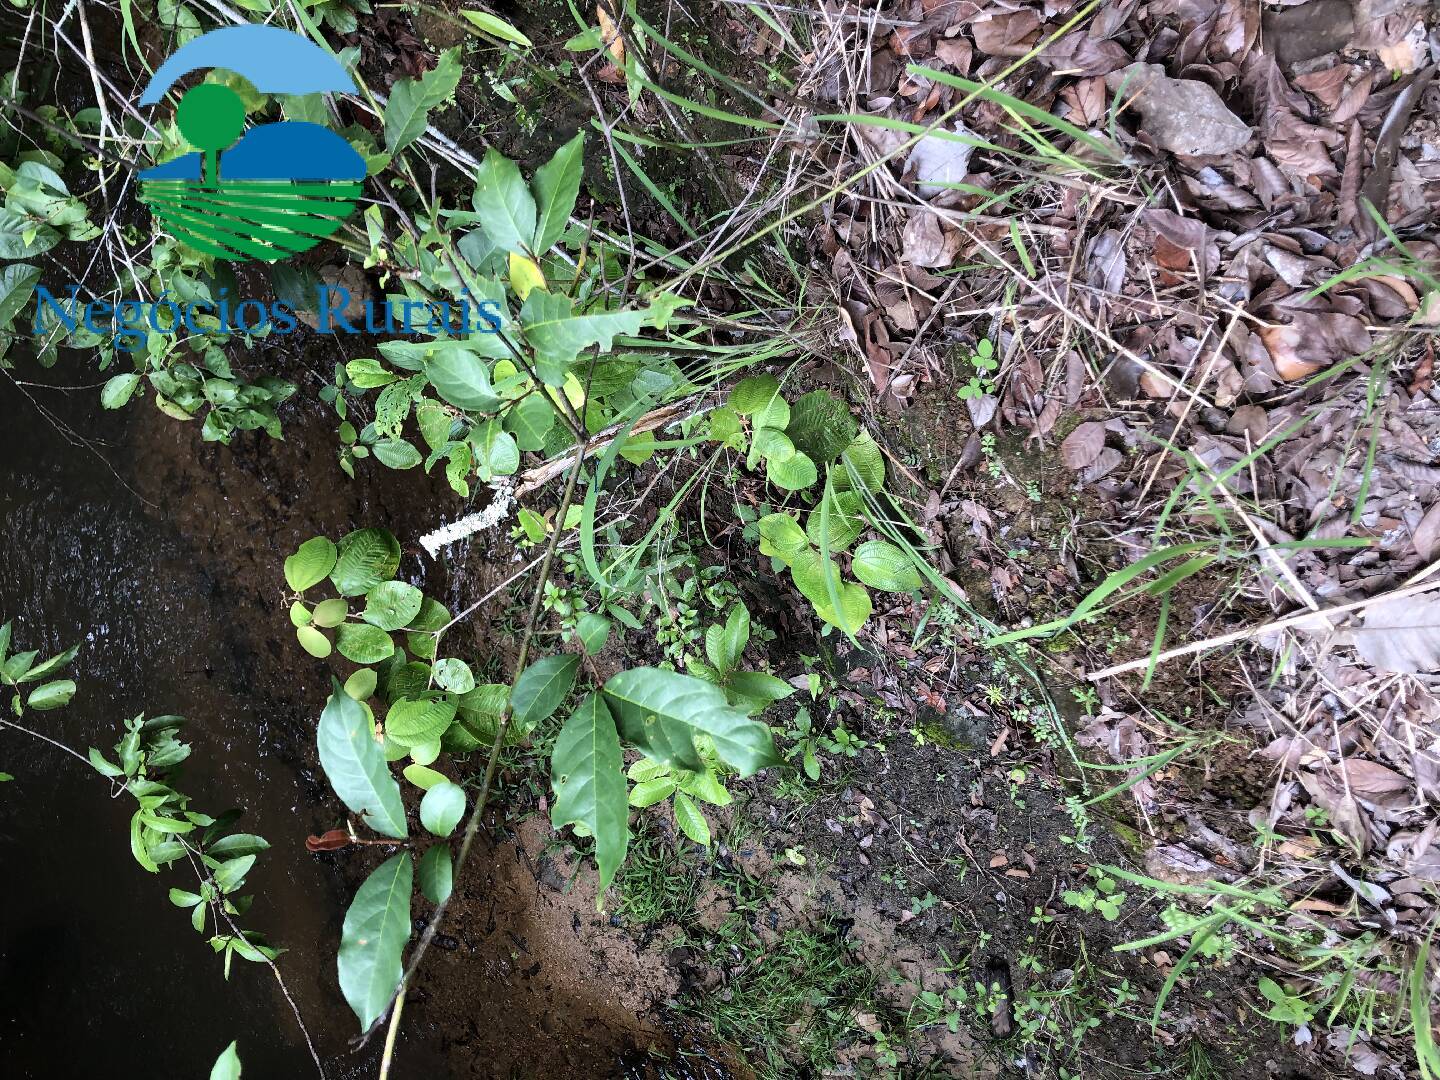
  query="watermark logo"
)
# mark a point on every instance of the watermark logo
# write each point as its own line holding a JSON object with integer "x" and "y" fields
{"x": 265, "y": 193}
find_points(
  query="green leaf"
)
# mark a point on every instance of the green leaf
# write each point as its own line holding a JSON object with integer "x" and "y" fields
{"x": 557, "y": 333}
{"x": 330, "y": 612}
{"x": 355, "y": 766}
{"x": 663, "y": 712}
{"x": 392, "y": 604}
{"x": 362, "y": 643}
{"x": 496, "y": 27}
{"x": 691, "y": 821}
{"x": 442, "y": 808}
{"x": 771, "y": 445}
{"x": 593, "y": 631}
{"x": 855, "y": 607}
{"x": 754, "y": 394}
{"x": 530, "y": 421}
{"x": 504, "y": 203}
{"x": 366, "y": 558}
{"x": 311, "y": 564}
{"x": 49, "y": 667}
{"x": 542, "y": 687}
{"x": 51, "y": 696}
{"x": 424, "y": 777}
{"x": 436, "y": 874}
{"x": 461, "y": 377}
{"x": 361, "y": 684}
{"x": 756, "y": 689}
{"x": 17, "y": 285}
{"x": 407, "y": 113}
{"x": 724, "y": 644}
{"x": 496, "y": 452}
{"x": 557, "y": 184}
{"x": 649, "y": 792}
{"x": 866, "y": 459}
{"x": 23, "y": 238}
{"x": 781, "y": 537}
{"x": 419, "y": 721}
{"x": 237, "y": 846}
{"x": 794, "y": 473}
{"x": 589, "y": 781}
{"x": 883, "y": 566}
{"x": 313, "y": 642}
{"x": 377, "y": 926}
{"x": 396, "y": 454}
{"x": 118, "y": 390}
{"x": 821, "y": 426}
{"x": 454, "y": 676}
{"x": 227, "y": 1065}
{"x": 846, "y": 520}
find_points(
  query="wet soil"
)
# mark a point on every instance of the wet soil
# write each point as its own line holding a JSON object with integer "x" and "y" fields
{"x": 162, "y": 555}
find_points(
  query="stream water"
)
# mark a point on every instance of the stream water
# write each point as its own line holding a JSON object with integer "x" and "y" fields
{"x": 161, "y": 556}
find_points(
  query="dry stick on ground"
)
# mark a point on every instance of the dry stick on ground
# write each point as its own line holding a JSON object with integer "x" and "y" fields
{"x": 472, "y": 826}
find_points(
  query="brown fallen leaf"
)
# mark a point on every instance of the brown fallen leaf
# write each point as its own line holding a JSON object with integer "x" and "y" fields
{"x": 1401, "y": 635}
{"x": 333, "y": 840}
{"x": 1082, "y": 446}
{"x": 610, "y": 37}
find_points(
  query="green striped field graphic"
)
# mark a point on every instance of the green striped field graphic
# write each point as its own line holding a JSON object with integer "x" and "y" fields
{"x": 251, "y": 219}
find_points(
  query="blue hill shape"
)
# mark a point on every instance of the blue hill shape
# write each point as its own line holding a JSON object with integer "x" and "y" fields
{"x": 290, "y": 150}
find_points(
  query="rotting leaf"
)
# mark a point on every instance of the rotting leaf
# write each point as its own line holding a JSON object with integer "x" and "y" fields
{"x": 1184, "y": 116}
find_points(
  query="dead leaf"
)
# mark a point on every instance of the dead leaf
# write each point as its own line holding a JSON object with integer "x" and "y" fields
{"x": 1401, "y": 635}
{"x": 1082, "y": 446}
{"x": 610, "y": 37}
{"x": 942, "y": 159}
{"x": 1371, "y": 780}
{"x": 1184, "y": 116}
{"x": 333, "y": 840}
{"x": 925, "y": 242}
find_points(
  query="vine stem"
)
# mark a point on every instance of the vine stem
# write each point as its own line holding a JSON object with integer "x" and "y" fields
{"x": 472, "y": 826}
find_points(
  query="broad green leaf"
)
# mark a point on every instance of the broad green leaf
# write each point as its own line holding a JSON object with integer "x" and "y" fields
{"x": 392, "y": 605}
{"x": 821, "y": 426}
{"x": 377, "y": 926}
{"x": 846, "y": 520}
{"x": 530, "y": 421}
{"x": 51, "y": 696}
{"x": 23, "y": 238}
{"x": 663, "y": 712}
{"x": 495, "y": 26}
{"x": 361, "y": 684}
{"x": 355, "y": 766}
{"x": 426, "y": 753}
{"x": 755, "y": 690}
{"x": 691, "y": 821}
{"x": 557, "y": 183}
{"x": 461, "y": 377}
{"x": 771, "y": 445}
{"x": 396, "y": 454}
{"x": 227, "y": 1065}
{"x": 407, "y": 113}
{"x": 754, "y": 394}
{"x": 423, "y": 777}
{"x": 442, "y": 808}
{"x": 504, "y": 203}
{"x": 299, "y": 614}
{"x": 366, "y": 557}
{"x": 855, "y": 607}
{"x": 542, "y": 687}
{"x": 496, "y": 452}
{"x": 311, "y": 564}
{"x": 237, "y": 846}
{"x": 362, "y": 643}
{"x": 883, "y": 566}
{"x": 17, "y": 285}
{"x": 557, "y": 333}
{"x": 649, "y": 792}
{"x": 587, "y": 773}
{"x": 593, "y": 631}
{"x": 313, "y": 642}
{"x": 782, "y": 537}
{"x": 794, "y": 473}
{"x": 866, "y": 459}
{"x": 454, "y": 676}
{"x": 433, "y": 616}
{"x": 330, "y": 612}
{"x": 118, "y": 390}
{"x": 419, "y": 721}
{"x": 437, "y": 873}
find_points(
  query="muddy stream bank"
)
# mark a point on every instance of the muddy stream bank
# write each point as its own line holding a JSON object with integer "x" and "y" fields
{"x": 162, "y": 555}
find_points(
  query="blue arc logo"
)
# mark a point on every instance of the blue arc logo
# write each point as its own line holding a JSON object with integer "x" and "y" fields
{"x": 265, "y": 193}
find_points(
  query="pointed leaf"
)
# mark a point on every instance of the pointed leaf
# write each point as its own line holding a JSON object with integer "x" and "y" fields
{"x": 377, "y": 926}
{"x": 542, "y": 687}
{"x": 356, "y": 768}
{"x": 589, "y": 781}
{"x": 504, "y": 203}
{"x": 437, "y": 873}
{"x": 311, "y": 564}
{"x": 557, "y": 183}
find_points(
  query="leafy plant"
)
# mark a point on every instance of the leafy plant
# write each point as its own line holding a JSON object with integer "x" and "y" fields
{"x": 1104, "y": 897}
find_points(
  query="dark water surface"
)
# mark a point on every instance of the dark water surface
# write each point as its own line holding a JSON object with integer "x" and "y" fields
{"x": 162, "y": 557}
